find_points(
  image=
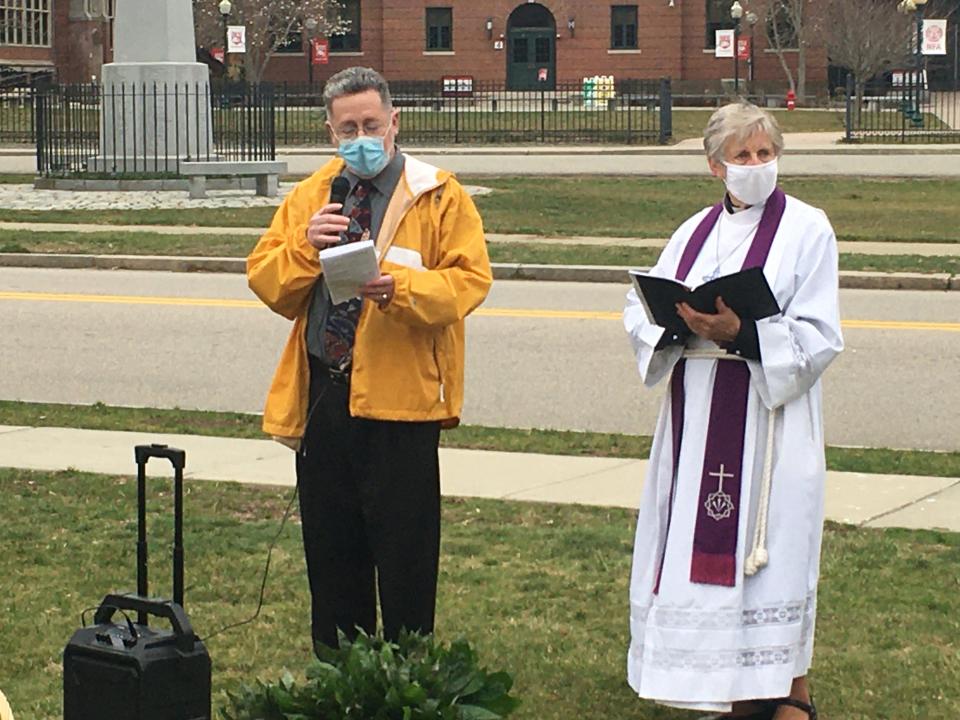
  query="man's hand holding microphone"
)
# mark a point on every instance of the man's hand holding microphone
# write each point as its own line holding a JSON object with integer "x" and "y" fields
{"x": 325, "y": 230}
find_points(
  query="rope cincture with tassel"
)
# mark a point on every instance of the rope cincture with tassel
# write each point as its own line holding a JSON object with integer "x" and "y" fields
{"x": 758, "y": 557}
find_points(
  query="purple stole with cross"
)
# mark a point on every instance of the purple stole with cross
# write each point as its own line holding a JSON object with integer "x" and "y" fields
{"x": 714, "y": 560}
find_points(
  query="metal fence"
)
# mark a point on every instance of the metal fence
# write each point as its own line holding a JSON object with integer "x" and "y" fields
{"x": 908, "y": 111}
{"x": 17, "y": 115}
{"x": 126, "y": 129}
{"x": 633, "y": 111}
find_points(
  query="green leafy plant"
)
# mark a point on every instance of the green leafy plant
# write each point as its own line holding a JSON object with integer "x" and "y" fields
{"x": 372, "y": 679}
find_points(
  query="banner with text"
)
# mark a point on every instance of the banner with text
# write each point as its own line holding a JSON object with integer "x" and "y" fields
{"x": 724, "y": 47}
{"x": 236, "y": 39}
{"x": 934, "y": 37}
{"x": 319, "y": 51}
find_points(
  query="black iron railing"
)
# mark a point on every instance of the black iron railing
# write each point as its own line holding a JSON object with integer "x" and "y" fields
{"x": 632, "y": 111}
{"x": 133, "y": 129}
{"x": 148, "y": 129}
{"x": 17, "y": 114}
{"x": 907, "y": 111}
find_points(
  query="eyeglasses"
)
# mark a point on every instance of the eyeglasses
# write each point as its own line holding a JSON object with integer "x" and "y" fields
{"x": 352, "y": 132}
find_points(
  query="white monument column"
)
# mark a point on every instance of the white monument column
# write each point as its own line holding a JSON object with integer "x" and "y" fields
{"x": 156, "y": 97}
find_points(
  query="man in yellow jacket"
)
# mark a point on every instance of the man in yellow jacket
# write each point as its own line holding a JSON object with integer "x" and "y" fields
{"x": 364, "y": 387}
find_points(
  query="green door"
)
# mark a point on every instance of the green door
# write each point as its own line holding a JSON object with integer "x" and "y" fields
{"x": 530, "y": 52}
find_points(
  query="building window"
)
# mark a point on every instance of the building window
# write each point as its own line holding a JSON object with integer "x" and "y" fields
{"x": 623, "y": 27}
{"x": 439, "y": 28}
{"x": 718, "y": 18}
{"x": 293, "y": 44}
{"x": 349, "y": 39}
{"x": 98, "y": 9}
{"x": 25, "y": 22}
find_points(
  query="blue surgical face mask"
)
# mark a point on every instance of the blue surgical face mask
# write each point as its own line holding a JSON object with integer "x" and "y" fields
{"x": 366, "y": 155}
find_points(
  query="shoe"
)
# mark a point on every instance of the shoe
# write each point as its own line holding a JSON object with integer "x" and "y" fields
{"x": 766, "y": 712}
{"x": 810, "y": 710}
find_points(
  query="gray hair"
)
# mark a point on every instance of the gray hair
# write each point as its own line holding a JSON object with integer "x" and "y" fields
{"x": 355, "y": 80}
{"x": 738, "y": 121}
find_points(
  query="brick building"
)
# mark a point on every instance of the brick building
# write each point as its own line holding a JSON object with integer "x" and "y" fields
{"x": 511, "y": 41}
{"x": 69, "y": 39}
{"x": 500, "y": 41}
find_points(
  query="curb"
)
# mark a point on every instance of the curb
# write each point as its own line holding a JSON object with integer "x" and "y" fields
{"x": 849, "y": 279}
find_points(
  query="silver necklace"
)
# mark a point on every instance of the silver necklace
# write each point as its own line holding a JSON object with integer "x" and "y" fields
{"x": 716, "y": 271}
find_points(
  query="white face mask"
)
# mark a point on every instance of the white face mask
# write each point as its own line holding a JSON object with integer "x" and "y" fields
{"x": 751, "y": 184}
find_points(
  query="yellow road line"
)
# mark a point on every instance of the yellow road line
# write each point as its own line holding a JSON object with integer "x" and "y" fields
{"x": 514, "y": 313}
{"x": 899, "y": 325}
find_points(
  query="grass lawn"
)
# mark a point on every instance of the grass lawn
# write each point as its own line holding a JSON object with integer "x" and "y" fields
{"x": 126, "y": 243}
{"x": 875, "y": 209}
{"x": 860, "y": 209}
{"x": 690, "y": 123}
{"x": 541, "y": 590}
{"x": 119, "y": 242}
{"x": 476, "y": 437}
{"x": 425, "y": 128}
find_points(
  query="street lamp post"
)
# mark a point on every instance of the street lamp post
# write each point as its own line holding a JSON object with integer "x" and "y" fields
{"x": 736, "y": 12}
{"x": 225, "y": 7}
{"x": 311, "y": 25}
{"x": 916, "y": 7}
{"x": 751, "y": 21}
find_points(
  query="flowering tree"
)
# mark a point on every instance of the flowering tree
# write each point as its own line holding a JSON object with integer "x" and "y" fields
{"x": 269, "y": 25}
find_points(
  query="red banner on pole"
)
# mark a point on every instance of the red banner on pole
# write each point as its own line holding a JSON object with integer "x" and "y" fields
{"x": 319, "y": 51}
{"x": 743, "y": 48}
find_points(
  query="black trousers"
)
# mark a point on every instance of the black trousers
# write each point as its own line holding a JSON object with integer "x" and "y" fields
{"x": 370, "y": 507}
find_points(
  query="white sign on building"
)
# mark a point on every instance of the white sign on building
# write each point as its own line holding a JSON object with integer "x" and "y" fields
{"x": 724, "y": 47}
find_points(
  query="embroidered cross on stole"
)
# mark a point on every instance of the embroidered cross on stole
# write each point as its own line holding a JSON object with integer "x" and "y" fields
{"x": 714, "y": 558}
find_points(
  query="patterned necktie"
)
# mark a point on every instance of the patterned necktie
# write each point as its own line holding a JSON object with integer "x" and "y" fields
{"x": 342, "y": 319}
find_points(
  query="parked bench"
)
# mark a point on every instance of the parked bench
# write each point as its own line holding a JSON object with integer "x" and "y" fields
{"x": 266, "y": 172}
{"x": 872, "y": 103}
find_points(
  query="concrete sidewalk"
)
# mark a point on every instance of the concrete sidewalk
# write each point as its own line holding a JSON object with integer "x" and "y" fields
{"x": 860, "y": 499}
{"x": 808, "y": 154}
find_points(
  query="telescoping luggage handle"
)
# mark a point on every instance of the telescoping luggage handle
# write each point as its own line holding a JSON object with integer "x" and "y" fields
{"x": 178, "y": 459}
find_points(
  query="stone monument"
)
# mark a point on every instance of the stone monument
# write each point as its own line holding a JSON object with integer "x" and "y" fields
{"x": 156, "y": 96}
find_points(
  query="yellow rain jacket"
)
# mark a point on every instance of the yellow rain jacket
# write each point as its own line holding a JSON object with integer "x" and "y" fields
{"x": 407, "y": 358}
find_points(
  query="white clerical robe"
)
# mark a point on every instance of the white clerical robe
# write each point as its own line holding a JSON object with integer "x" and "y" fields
{"x": 701, "y": 646}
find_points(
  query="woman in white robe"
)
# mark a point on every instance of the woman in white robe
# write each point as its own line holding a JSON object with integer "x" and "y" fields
{"x": 743, "y": 647}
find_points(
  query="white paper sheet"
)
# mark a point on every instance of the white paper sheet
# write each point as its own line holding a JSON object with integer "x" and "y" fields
{"x": 347, "y": 267}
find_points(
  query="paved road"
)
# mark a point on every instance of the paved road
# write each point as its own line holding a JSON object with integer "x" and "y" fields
{"x": 539, "y": 354}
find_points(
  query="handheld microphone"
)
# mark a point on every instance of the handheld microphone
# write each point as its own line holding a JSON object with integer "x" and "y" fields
{"x": 338, "y": 194}
{"x": 339, "y": 190}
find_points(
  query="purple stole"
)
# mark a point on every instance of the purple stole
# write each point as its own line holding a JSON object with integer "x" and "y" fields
{"x": 714, "y": 560}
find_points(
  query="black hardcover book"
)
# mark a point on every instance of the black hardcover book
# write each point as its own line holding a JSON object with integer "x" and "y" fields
{"x": 746, "y": 293}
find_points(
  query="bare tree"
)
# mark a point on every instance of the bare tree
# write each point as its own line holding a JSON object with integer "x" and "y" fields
{"x": 866, "y": 37}
{"x": 788, "y": 29}
{"x": 268, "y": 24}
